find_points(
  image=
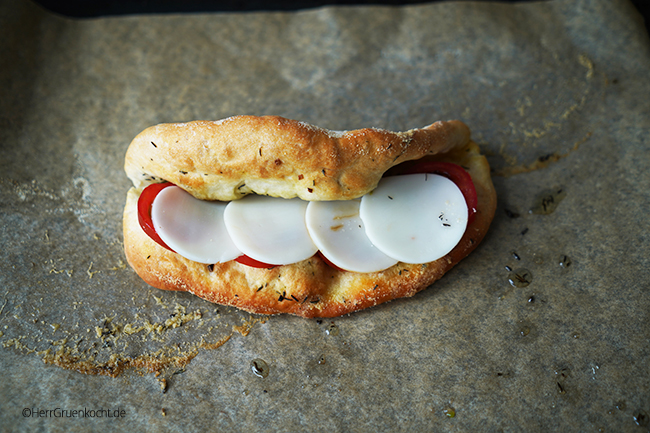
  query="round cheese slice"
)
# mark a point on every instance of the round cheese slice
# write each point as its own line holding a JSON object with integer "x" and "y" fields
{"x": 415, "y": 218}
{"x": 193, "y": 228}
{"x": 269, "y": 229}
{"x": 338, "y": 231}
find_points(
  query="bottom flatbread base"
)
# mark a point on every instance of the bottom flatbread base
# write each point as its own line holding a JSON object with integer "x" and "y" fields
{"x": 309, "y": 288}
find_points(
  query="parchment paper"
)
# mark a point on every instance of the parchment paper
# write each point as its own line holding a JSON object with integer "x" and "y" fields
{"x": 543, "y": 328}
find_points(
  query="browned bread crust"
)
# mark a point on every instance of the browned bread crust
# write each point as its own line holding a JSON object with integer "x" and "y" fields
{"x": 309, "y": 288}
{"x": 271, "y": 155}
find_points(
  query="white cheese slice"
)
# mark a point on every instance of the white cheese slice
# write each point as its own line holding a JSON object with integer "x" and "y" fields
{"x": 193, "y": 228}
{"x": 269, "y": 229}
{"x": 338, "y": 231}
{"x": 415, "y": 218}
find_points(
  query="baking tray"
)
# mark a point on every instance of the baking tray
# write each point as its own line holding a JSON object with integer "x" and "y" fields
{"x": 543, "y": 328}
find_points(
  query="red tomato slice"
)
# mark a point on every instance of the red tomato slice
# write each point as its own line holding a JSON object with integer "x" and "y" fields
{"x": 144, "y": 211}
{"x": 451, "y": 171}
{"x": 248, "y": 261}
{"x": 330, "y": 264}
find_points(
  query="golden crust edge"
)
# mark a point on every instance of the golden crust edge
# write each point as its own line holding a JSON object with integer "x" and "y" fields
{"x": 270, "y": 155}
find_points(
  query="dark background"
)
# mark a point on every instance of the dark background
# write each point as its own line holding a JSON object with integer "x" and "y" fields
{"x": 96, "y": 8}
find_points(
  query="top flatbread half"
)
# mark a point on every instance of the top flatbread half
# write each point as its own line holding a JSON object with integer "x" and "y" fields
{"x": 225, "y": 160}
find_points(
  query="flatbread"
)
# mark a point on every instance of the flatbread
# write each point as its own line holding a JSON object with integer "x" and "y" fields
{"x": 212, "y": 160}
{"x": 271, "y": 155}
